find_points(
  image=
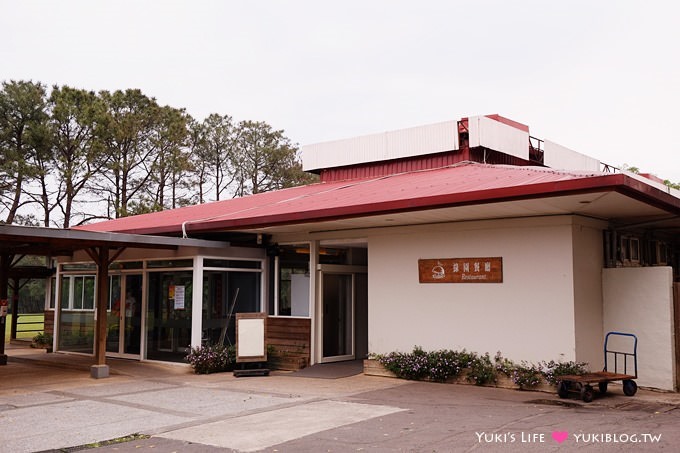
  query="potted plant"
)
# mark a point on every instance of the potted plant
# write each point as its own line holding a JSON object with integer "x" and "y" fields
{"x": 42, "y": 341}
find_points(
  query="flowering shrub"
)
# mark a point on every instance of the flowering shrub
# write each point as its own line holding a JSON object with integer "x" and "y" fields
{"x": 444, "y": 364}
{"x": 435, "y": 366}
{"x": 412, "y": 365}
{"x": 503, "y": 365}
{"x": 526, "y": 375}
{"x": 552, "y": 371}
{"x": 482, "y": 371}
{"x": 212, "y": 358}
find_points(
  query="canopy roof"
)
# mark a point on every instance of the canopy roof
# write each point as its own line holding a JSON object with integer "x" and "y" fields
{"x": 460, "y": 192}
{"x": 23, "y": 240}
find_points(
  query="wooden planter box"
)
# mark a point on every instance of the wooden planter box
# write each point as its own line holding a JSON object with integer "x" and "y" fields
{"x": 374, "y": 368}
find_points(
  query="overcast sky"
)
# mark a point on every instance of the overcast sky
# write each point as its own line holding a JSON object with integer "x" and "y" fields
{"x": 600, "y": 77}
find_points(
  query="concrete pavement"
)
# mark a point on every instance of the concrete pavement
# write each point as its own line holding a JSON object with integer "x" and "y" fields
{"x": 48, "y": 401}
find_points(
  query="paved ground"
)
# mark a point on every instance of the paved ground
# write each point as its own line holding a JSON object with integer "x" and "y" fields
{"x": 48, "y": 402}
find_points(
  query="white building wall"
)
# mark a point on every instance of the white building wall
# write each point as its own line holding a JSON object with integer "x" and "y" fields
{"x": 562, "y": 158}
{"x": 414, "y": 141}
{"x": 530, "y": 316}
{"x": 640, "y": 301}
{"x": 588, "y": 264}
{"x": 492, "y": 134}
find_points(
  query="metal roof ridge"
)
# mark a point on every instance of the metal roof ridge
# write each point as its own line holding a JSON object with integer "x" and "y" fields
{"x": 556, "y": 171}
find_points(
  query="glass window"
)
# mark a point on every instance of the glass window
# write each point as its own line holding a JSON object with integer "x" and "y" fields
{"x": 77, "y": 293}
{"x": 224, "y": 295}
{"x": 78, "y": 267}
{"x": 233, "y": 264}
{"x": 88, "y": 293}
{"x": 64, "y": 295}
{"x": 113, "y": 315}
{"x": 118, "y": 265}
{"x": 357, "y": 256}
{"x": 53, "y": 292}
{"x": 76, "y": 326}
{"x": 114, "y": 291}
{"x": 294, "y": 281}
{"x": 169, "y": 264}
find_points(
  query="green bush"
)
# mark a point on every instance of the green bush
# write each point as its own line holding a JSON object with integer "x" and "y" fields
{"x": 444, "y": 364}
{"x": 43, "y": 339}
{"x": 437, "y": 366}
{"x": 413, "y": 365}
{"x": 552, "y": 371}
{"x": 210, "y": 358}
{"x": 526, "y": 375}
{"x": 481, "y": 370}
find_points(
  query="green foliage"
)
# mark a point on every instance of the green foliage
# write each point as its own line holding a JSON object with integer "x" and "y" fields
{"x": 117, "y": 440}
{"x": 42, "y": 339}
{"x": 552, "y": 371}
{"x": 437, "y": 366}
{"x": 81, "y": 155}
{"x": 22, "y": 126}
{"x": 77, "y": 124}
{"x": 444, "y": 364}
{"x": 411, "y": 365}
{"x": 481, "y": 370}
{"x": 263, "y": 159}
{"x": 627, "y": 167}
{"x": 526, "y": 375}
{"x": 672, "y": 185}
{"x": 210, "y": 358}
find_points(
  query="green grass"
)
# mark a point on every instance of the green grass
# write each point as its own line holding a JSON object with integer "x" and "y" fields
{"x": 35, "y": 322}
{"x": 105, "y": 443}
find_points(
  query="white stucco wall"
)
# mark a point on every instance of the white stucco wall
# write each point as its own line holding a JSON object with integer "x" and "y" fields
{"x": 588, "y": 311}
{"x": 640, "y": 301}
{"x": 530, "y": 316}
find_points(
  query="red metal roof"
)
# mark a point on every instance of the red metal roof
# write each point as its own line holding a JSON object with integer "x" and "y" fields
{"x": 462, "y": 184}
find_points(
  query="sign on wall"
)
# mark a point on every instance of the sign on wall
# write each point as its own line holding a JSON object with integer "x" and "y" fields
{"x": 461, "y": 270}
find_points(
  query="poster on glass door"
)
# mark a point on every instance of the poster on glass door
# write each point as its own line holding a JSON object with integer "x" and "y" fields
{"x": 176, "y": 293}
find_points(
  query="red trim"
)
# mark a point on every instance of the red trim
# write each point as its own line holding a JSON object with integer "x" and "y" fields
{"x": 560, "y": 188}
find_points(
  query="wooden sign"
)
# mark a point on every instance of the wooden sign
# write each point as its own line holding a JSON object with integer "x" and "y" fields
{"x": 461, "y": 270}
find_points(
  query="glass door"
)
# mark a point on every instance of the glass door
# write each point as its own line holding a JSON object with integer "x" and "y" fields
{"x": 337, "y": 317}
{"x": 125, "y": 315}
{"x": 168, "y": 322}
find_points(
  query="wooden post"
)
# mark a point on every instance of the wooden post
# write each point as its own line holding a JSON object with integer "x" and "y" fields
{"x": 676, "y": 327}
{"x": 101, "y": 257}
{"x": 15, "y": 310}
{"x": 5, "y": 261}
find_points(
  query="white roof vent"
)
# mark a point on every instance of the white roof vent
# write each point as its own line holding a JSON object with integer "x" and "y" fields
{"x": 414, "y": 141}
